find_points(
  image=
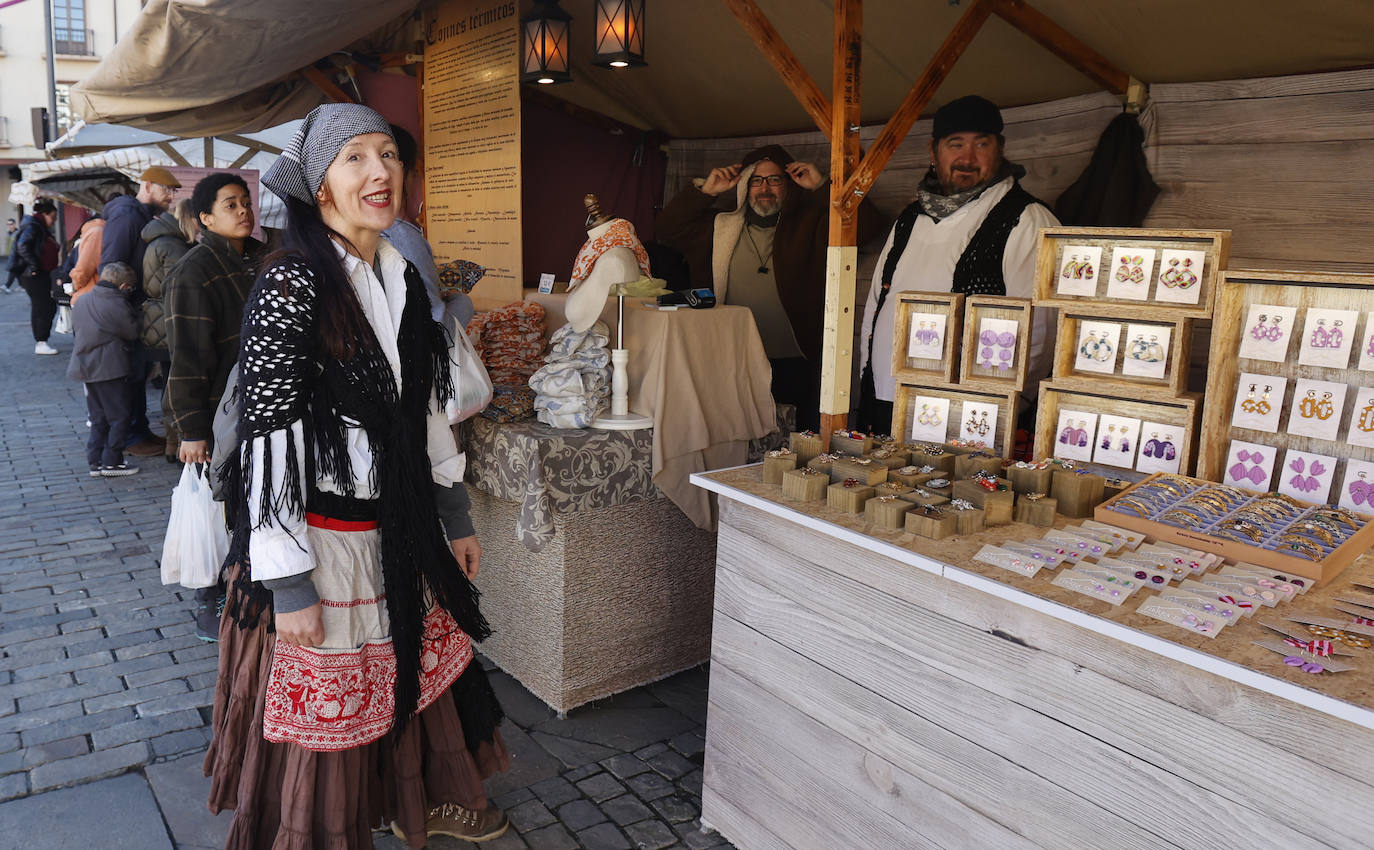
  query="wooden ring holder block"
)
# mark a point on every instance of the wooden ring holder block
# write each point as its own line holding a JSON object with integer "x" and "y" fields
{"x": 848, "y": 499}
{"x": 774, "y": 467}
{"x": 887, "y": 514}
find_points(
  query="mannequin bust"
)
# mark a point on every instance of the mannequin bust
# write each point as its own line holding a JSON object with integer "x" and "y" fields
{"x": 617, "y": 264}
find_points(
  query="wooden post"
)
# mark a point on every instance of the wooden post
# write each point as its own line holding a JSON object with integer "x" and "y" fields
{"x": 209, "y": 151}
{"x": 842, "y": 255}
{"x": 1063, "y": 44}
{"x": 915, "y": 101}
{"x": 325, "y": 84}
{"x": 783, "y": 60}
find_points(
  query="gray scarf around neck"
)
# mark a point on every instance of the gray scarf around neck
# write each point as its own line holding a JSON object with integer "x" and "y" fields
{"x": 938, "y": 205}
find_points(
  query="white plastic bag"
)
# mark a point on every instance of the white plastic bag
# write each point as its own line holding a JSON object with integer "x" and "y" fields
{"x": 472, "y": 388}
{"x": 196, "y": 542}
{"x": 62, "y": 323}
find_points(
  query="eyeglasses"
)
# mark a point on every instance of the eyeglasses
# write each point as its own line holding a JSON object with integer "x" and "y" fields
{"x": 774, "y": 180}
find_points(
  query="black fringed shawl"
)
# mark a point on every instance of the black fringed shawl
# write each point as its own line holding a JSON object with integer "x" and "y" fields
{"x": 285, "y": 377}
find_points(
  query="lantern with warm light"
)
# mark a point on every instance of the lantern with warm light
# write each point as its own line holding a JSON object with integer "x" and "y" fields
{"x": 619, "y": 33}
{"x": 544, "y": 47}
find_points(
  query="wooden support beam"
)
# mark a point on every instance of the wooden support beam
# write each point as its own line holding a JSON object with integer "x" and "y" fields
{"x": 173, "y": 153}
{"x": 325, "y": 84}
{"x": 250, "y": 143}
{"x": 921, "y": 92}
{"x": 842, "y": 254}
{"x": 1063, "y": 44}
{"x": 783, "y": 60}
{"x": 243, "y": 158}
{"x": 208, "y": 151}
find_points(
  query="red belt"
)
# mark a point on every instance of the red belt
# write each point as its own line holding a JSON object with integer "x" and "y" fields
{"x": 331, "y": 524}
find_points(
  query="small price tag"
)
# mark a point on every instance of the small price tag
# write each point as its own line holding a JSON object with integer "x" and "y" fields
{"x": 546, "y": 283}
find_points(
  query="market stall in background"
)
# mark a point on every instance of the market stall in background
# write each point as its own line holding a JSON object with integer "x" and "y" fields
{"x": 928, "y": 637}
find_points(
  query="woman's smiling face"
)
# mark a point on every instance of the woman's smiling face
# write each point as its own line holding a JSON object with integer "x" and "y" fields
{"x": 362, "y": 188}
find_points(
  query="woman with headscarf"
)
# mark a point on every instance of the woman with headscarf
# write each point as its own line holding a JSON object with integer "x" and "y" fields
{"x": 351, "y": 534}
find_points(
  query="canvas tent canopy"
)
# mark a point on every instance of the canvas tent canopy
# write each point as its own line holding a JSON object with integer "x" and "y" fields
{"x": 212, "y": 66}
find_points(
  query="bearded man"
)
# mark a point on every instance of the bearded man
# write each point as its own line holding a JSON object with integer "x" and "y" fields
{"x": 972, "y": 229}
{"x": 767, "y": 253}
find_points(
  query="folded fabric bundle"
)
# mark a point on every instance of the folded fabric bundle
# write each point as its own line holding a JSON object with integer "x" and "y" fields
{"x": 510, "y": 341}
{"x": 510, "y": 404}
{"x": 574, "y": 384}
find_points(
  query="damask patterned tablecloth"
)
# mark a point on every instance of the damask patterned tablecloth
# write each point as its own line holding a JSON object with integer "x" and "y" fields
{"x": 552, "y": 471}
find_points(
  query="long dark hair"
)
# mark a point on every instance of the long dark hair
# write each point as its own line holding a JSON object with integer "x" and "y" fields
{"x": 342, "y": 326}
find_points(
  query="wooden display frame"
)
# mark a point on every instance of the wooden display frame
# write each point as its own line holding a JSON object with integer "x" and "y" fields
{"x": 1320, "y": 571}
{"x": 1003, "y": 439}
{"x": 906, "y": 368}
{"x": 1068, "y": 336}
{"x": 979, "y": 307}
{"x": 1240, "y": 290}
{"x": 1181, "y": 412}
{"x": 1216, "y": 244}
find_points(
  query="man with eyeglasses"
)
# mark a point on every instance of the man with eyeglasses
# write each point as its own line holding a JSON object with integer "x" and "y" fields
{"x": 972, "y": 229}
{"x": 766, "y": 253}
{"x": 122, "y": 242}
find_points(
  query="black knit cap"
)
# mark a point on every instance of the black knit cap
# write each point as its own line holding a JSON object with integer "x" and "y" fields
{"x": 774, "y": 153}
{"x": 971, "y": 114}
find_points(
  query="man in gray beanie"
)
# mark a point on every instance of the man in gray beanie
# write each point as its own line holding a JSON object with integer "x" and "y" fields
{"x": 972, "y": 229}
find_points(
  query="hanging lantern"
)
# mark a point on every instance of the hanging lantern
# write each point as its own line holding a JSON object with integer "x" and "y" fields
{"x": 619, "y": 33}
{"x": 544, "y": 47}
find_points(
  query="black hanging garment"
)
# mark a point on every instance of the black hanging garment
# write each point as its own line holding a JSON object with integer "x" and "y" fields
{"x": 1116, "y": 189}
{"x": 978, "y": 272}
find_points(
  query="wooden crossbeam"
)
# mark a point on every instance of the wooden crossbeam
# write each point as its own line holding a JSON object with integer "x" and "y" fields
{"x": 251, "y": 143}
{"x": 1063, "y": 44}
{"x": 173, "y": 153}
{"x": 915, "y": 101}
{"x": 783, "y": 60}
{"x": 243, "y": 158}
{"x": 325, "y": 84}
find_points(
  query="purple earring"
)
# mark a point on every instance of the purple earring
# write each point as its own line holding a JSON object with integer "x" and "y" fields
{"x": 1168, "y": 451}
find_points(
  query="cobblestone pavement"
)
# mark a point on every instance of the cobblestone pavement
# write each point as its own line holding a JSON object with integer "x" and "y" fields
{"x": 105, "y": 692}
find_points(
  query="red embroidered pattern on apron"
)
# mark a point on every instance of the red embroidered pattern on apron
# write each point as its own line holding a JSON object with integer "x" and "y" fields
{"x": 353, "y": 603}
{"x": 327, "y": 701}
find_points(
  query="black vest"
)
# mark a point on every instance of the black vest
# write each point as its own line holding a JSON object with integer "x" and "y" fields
{"x": 979, "y": 270}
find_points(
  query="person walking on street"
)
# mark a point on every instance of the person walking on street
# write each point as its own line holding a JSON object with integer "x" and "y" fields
{"x": 125, "y": 218}
{"x": 205, "y": 296}
{"x": 168, "y": 236}
{"x": 104, "y": 325}
{"x": 353, "y": 537}
{"x": 11, "y": 232}
{"x": 36, "y": 254}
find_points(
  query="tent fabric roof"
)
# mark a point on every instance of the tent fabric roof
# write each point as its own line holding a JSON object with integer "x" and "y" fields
{"x": 186, "y": 67}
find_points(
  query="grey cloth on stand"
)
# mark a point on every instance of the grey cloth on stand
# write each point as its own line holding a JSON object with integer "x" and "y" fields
{"x": 574, "y": 384}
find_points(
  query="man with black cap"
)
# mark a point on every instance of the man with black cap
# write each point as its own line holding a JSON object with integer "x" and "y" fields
{"x": 125, "y": 218}
{"x": 767, "y": 254}
{"x": 972, "y": 230}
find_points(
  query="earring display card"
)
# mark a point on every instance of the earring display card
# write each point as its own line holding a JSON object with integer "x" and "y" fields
{"x": 1327, "y": 337}
{"x": 1130, "y": 272}
{"x": 1267, "y": 329}
{"x": 1147, "y": 351}
{"x": 1075, "y": 431}
{"x": 1361, "y": 429}
{"x": 996, "y": 348}
{"x": 1117, "y": 441}
{"x": 927, "y": 338}
{"x": 1250, "y": 465}
{"x": 1316, "y": 410}
{"x": 1180, "y": 276}
{"x": 1259, "y": 402}
{"x": 1357, "y": 490}
{"x": 1078, "y": 268}
{"x": 1160, "y": 451}
{"x": 1307, "y": 477}
{"x": 1366, "y": 343}
{"x": 928, "y": 425}
{"x": 1097, "y": 344}
{"x": 978, "y": 422}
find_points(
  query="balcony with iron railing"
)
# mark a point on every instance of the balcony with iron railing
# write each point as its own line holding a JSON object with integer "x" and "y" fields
{"x": 74, "y": 42}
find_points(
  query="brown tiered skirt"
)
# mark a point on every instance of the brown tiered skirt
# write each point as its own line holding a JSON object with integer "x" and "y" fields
{"x": 286, "y": 797}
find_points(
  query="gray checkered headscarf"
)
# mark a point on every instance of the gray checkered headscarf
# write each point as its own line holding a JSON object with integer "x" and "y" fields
{"x": 299, "y": 171}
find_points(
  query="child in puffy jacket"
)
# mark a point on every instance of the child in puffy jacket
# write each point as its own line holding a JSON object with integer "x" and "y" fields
{"x": 104, "y": 323}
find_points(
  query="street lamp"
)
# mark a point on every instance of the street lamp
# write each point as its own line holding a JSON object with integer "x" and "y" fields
{"x": 619, "y": 33}
{"x": 544, "y": 51}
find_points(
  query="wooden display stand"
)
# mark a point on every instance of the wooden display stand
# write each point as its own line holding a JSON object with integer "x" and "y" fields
{"x": 861, "y": 468}
{"x": 1215, "y": 245}
{"x": 1001, "y": 441}
{"x": 807, "y": 444}
{"x": 841, "y": 444}
{"x": 1304, "y": 291}
{"x": 892, "y": 458}
{"x": 969, "y": 521}
{"x": 909, "y": 304}
{"x": 891, "y": 488}
{"x": 848, "y": 499}
{"x": 936, "y": 528}
{"x": 1038, "y": 512}
{"x": 914, "y": 479}
{"x": 1320, "y": 571}
{"x": 978, "y": 308}
{"x": 775, "y": 465}
{"x": 995, "y": 504}
{"x": 1178, "y": 351}
{"x": 804, "y": 485}
{"x": 1181, "y": 413}
{"x": 967, "y": 466}
{"x": 920, "y": 496}
{"x": 943, "y": 462}
{"x": 886, "y": 513}
{"x": 1025, "y": 481}
{"x": 1077, "y": 494}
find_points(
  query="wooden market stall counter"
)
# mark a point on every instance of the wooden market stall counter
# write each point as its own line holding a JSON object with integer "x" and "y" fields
{"x": 870, "y": 689}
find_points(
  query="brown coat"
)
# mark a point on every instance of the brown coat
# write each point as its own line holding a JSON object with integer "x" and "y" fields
{"x": 707, "y": 236}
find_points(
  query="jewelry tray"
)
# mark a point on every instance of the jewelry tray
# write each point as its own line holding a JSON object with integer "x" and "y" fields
{"x": 1198, "y": 538}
